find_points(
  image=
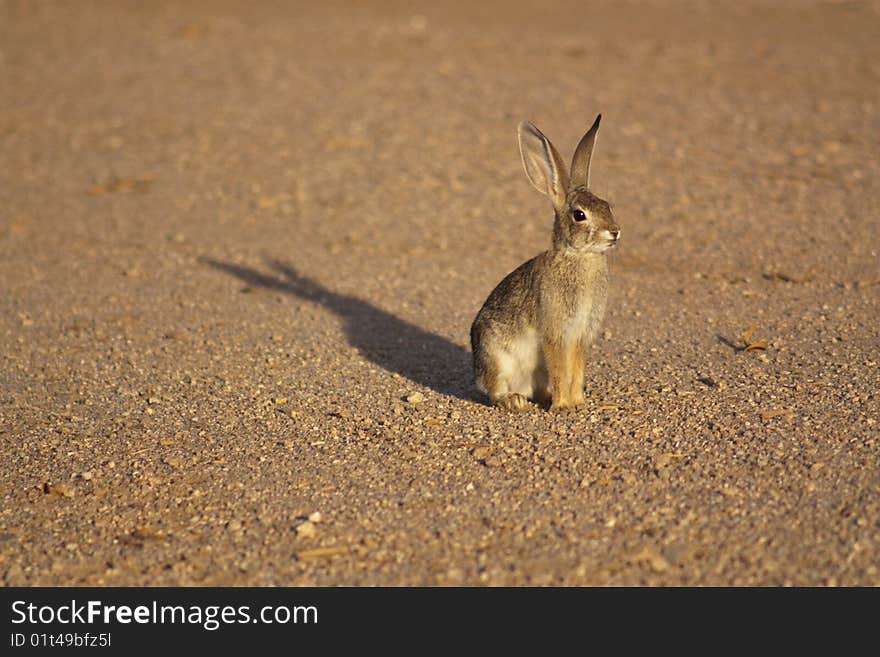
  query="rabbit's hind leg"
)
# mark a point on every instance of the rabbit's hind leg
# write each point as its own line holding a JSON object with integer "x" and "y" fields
{"x": 502, "y": 377}
{"x": 501, "y": 393}
{"x": 542, "y": 394}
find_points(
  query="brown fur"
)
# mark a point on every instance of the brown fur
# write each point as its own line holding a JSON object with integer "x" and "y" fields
{"x": 531, "y": 336}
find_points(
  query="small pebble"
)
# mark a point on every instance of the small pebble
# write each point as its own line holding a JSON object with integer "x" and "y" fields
{"x": 306, "y": 529}
{"x": 481, "y": 453}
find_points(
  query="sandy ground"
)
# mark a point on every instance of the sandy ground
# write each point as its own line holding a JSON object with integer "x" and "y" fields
{"x": 234, "y": 242}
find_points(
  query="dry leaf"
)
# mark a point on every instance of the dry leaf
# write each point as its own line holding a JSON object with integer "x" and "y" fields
{"x": 271, "y": 202}
{"x": 318, "y": 553}
{"x": 61, "y": 490}
{"x": 747, "y": 339}
{"x": 780, "y": 276}
{"x": 141, "y": 534}
{"x": 192, "y": 31}
{"x": 122, "y": 186}
{"x": 652, "y": 558}
{"x": 146, "y": 532}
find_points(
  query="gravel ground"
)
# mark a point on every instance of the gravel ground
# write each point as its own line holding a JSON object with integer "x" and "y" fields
{"x": 241, "y": 249}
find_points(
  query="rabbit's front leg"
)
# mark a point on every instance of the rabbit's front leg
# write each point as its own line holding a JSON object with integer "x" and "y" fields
{"x": 576, "y": 366}
{"x": 564, "y": 363}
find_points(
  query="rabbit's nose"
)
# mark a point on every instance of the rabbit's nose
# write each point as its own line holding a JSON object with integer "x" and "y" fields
{"x": 615, "y": 234}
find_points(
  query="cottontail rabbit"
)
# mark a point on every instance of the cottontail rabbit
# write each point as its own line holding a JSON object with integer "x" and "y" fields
{"x": 530, "y": 337}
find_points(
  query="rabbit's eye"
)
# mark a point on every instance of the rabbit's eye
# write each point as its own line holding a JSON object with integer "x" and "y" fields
{"x": 578, "y": 215}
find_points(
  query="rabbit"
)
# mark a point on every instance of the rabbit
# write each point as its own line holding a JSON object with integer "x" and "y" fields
{"x": 529, "y": 339}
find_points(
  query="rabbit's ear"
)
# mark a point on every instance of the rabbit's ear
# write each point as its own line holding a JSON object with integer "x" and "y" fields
{"x": 542, "y": 163}
{"x": 580, "y": 163}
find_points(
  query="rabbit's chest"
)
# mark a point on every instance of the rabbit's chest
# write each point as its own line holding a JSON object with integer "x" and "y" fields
{"x": 582, "y": 318}
{"x": 573, "y": 300}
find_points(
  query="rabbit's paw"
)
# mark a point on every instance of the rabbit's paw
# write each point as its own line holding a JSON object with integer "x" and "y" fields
{"x": 512, "y": 402}
{"x": 563, "y": 405}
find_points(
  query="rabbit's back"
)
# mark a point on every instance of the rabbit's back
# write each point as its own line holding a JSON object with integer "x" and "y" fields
{"x": 511, "y": 307}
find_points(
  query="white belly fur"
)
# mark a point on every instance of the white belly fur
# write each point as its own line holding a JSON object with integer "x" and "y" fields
{"x": 518, "y": 360}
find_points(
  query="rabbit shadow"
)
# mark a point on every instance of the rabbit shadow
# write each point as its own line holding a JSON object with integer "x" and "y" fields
{"x": 393, "y": 344}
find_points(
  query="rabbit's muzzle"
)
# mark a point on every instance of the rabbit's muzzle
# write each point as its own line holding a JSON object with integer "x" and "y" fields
{"x": 608, "y": 237}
